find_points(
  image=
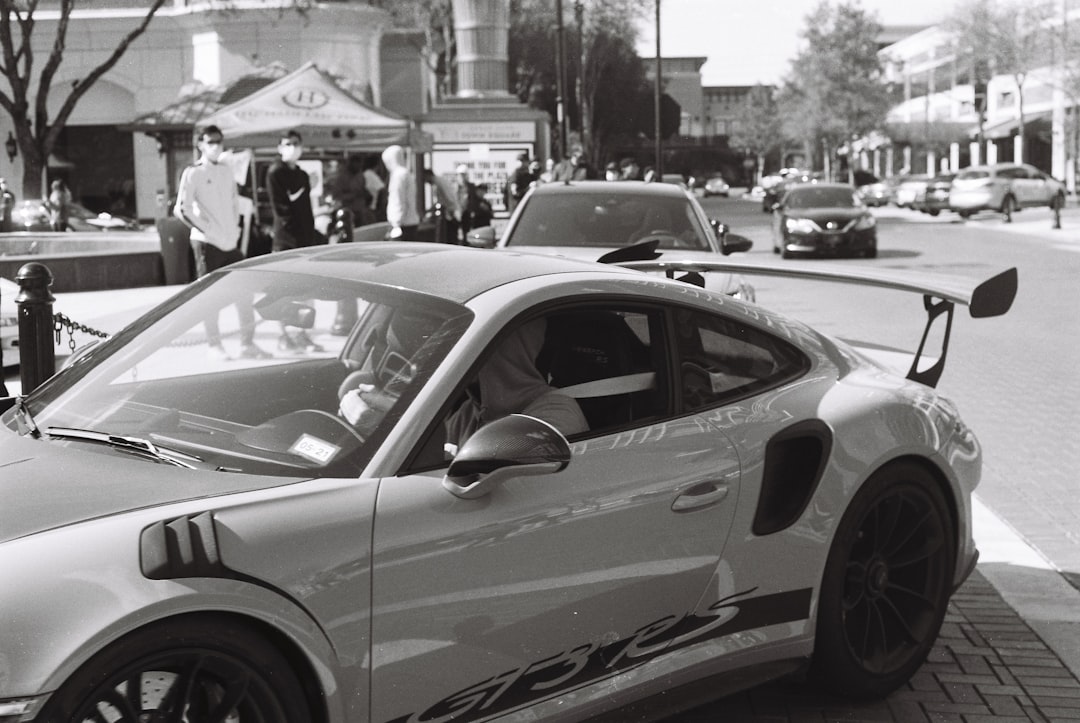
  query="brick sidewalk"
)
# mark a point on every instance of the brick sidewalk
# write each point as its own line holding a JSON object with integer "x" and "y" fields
{"x": 987, "y": 666}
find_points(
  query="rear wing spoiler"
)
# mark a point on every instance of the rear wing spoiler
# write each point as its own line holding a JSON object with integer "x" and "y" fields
{"x": 987, "y": 298}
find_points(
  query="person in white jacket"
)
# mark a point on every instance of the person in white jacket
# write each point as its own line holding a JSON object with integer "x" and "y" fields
{"x": 401, "y": 211}
{"x": 208, "y": 203}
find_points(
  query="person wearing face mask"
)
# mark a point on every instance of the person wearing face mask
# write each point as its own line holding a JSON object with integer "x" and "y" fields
{"x": 294, "y": 220}
{"x": 207, "y": 202}
{"x": 290, "y": 196}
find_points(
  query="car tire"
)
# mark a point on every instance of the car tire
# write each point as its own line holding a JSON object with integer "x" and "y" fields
{"x": 886, "y": 585}
{"x": 193, "y": 668}
{"x": 934, "y": 211}
{"x": 1008, "y": 206}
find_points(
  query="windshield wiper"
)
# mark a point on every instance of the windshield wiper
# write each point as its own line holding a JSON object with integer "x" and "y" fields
{"x": 130, "y": 444}
{"x": 25, "y": 419}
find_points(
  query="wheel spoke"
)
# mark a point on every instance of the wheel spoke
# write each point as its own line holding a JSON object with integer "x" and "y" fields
{"x": 902, "y": 622}
{"x": 235, "y": 692}
{"x": 180, "y": 693}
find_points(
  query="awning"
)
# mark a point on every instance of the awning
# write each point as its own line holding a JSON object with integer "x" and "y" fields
{"x": 1009, "y": 128}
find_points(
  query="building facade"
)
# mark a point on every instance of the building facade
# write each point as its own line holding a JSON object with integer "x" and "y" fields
{"x": 186, "y": 49}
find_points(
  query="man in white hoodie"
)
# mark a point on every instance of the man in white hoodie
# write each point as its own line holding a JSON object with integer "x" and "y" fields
{"x": 401, "y": 211}
{"x": 208, "y": 203}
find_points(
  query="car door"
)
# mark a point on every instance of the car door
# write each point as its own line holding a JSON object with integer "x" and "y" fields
{"x": 550, "y": 582}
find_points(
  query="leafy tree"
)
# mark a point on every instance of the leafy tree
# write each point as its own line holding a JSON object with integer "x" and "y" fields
{"x": 616, "y": 97}
{"x": 1006, "y": 38}
{"x": 835, "y": 91}
{"x": 757, "y": 125}
{"x": 35, "y": 133}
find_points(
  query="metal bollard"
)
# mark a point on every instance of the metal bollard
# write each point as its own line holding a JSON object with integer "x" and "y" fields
{"x": 1058, "y": 203}
{"x": 439, "y": 214}
{"x": 37, "y": 348}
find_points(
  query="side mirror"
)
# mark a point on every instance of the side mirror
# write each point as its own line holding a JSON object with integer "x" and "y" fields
{"x": 734, "y": 243}
{"x": 290, "y": 313}
{"x": 481, "y": 238}
{"x": 514, "y": 446}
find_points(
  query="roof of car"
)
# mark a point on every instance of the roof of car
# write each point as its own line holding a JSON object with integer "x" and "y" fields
{"x": 628, "y": 188}
{"x": 823, "y": 184}
{"x": 457, "y": 273}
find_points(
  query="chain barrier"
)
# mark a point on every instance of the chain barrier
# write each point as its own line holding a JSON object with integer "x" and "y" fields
{"x": 61, "y": 322}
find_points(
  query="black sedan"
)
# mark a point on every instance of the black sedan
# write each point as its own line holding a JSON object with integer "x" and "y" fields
{"x": 824, "y": 219}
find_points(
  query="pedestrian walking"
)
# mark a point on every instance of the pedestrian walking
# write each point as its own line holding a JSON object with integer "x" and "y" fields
{"x": 208, "y": 203}
{"x": 376, "y": 188}
{"x": 294, "y": 220}
{"x": 521, "y": 180}
{"x": 7, "y": 205}
{"x": 401, "y": 211}
{"x": 59, "y": 205}
{"x": 573, "y": 168}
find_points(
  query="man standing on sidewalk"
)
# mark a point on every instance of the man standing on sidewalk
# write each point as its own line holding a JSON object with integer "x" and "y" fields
{"x": 294, "y": 220}
{"x": 208, "y": 203}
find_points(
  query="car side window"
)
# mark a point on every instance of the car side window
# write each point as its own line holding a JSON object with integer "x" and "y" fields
{"x": 1012, "y": 173}
{"x": 605, "y": 358}
{"x": 721, "y": 359}
{"x": 600, "y": 360}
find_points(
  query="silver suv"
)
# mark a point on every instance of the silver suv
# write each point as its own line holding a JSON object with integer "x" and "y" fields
{"x": 1004, "y": 187}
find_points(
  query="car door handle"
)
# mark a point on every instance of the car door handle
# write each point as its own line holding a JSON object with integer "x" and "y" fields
{"x": 700, "y": 495}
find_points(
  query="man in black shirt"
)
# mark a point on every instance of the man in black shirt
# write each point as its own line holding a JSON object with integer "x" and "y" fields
{"x": 294, "y": 220}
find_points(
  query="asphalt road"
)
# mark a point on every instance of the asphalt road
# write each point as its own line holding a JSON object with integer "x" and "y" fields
{"x": 1016, "y": 380}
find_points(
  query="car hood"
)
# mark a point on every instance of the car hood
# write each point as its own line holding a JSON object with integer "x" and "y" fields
{"x": 820, "y": 215}
{"x": 50, "y": 484}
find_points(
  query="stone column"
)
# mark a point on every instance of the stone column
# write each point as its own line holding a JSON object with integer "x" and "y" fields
{"x": 482, "y": 33}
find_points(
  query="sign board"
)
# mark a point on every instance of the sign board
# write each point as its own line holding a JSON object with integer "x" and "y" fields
{"x": 487, "y": 164}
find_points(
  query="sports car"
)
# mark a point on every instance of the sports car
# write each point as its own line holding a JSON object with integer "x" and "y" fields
{"x": 519, "y": 487}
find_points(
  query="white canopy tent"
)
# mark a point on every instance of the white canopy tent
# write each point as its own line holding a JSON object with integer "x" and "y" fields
{"x": 310, "y": 102}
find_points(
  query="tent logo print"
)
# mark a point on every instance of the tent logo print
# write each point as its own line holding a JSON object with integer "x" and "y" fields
{"x": 305, "y": 98}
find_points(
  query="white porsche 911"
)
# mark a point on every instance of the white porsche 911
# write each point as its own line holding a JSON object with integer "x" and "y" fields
{"x": 494, "y": 485}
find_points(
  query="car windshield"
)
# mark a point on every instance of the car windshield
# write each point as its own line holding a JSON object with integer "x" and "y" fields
{"x": 818, "y": 197}
{"x": 313, "y": 404}
{"x": 608, "y": 220}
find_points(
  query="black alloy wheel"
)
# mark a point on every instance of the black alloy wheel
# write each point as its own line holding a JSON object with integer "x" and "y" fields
{"x": 887, "y": 584}
{"x": 185, "y": 671}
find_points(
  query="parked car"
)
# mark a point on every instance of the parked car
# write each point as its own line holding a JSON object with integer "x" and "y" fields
{"x": 789, "y": 178}
{"x": 908, "y": 189}
{"x": 934, "y": 198}
{"x": 717, "y": 186}
{"x": 33, "y": 215}
{"x": 824, "y": 219}
{"x": 322, "y": 537}
{"x": 9, "y": 323}
{"x": 589, "y": 219}
{"x": 676, "y": 179}
{"x": 871, "y": 189}
{"x": 1004, "y": 187}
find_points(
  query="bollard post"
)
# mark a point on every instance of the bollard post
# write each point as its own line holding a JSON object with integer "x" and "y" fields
{"x": 37, "y": 348}
{"x": 439, "y": 214}
{"x": 1058, "y": 203}
{"x": 3, "y": 383}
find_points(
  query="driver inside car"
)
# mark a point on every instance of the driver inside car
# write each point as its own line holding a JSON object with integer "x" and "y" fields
{"x": 510, "y": 383}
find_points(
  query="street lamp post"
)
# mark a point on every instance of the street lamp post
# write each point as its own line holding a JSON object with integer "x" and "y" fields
{"x": 579, "y": 14}
{"x": 560, "y": 80}
{"x": 659, "y": 144}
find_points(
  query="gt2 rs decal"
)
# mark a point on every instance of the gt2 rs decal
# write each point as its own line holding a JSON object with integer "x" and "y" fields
{"x": 592, "y": 662}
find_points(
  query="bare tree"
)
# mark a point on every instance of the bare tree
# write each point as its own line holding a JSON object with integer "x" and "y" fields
{"x": 35, "y": 133}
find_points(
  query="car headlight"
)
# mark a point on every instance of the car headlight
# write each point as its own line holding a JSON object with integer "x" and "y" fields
{"x": 800, "y": 225}
{"x": 865, "y": 222}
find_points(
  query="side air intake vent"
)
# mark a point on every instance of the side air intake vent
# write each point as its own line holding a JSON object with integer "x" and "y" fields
{"x": 794, "y": 462}
{"x": 184, "y": 547}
